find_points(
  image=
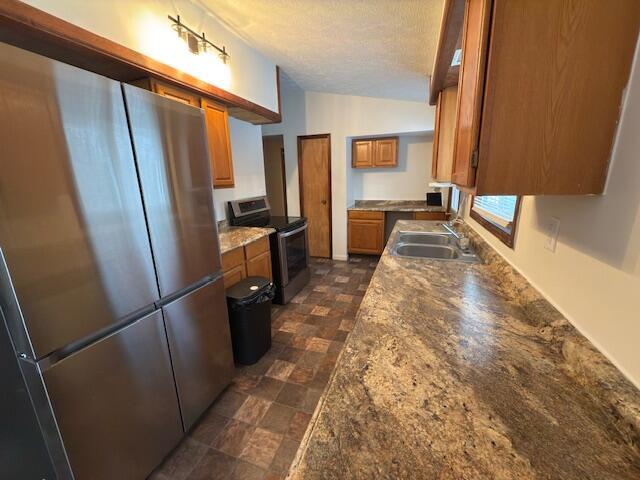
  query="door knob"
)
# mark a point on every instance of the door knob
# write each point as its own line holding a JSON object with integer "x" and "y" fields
{"x": 324, "y": 202}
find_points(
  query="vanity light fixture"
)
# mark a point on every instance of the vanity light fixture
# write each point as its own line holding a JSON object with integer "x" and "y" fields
{"x": 196, "y": 42}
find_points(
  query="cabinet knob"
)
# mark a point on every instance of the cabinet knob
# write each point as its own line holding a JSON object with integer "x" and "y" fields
{"x": 323, "y": 202}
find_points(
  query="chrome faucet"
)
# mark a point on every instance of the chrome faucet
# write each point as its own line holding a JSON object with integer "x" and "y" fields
{"x": 463, "y": 241}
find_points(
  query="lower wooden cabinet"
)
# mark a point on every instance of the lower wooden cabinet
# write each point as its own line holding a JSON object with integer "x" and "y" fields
{"x": 254, "y": 259}
{"x": 429, "y": 216}
{"x": 365, "y": 232}
{"x": 260, "y": 266}
{"x": 366, "y": 229}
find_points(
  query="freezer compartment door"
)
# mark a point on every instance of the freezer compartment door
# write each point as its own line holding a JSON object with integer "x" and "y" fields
{"x": 170, "y": 144}
{"x": 200, "y": 343}
{"x": 72, "y": 227}
{"x": 115, "y": 403}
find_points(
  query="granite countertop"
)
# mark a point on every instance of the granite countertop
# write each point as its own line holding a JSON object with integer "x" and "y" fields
{"x": 395, "y": 206}
{"x": 463, "y": 371}
{"x": 233, "y": 237}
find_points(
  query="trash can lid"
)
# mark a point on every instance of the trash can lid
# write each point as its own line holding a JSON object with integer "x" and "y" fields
{"x": 248, "y": 288}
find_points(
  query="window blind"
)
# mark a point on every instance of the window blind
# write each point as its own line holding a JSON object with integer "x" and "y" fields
{"x": 500, "y": 208}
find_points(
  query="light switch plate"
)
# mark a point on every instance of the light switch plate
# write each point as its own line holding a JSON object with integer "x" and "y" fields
{"x": 553, "y": 229}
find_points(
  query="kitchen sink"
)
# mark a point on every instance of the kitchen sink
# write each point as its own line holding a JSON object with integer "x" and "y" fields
{"x": 426, "y": 238}
{"x": 432, "y": 245}
{"x": 428, "y": 251}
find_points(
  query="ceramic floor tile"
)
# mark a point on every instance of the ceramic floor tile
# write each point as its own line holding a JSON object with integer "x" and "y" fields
{"x": 298, "y": 425}
{"x": 317, "y": 344}
{"x": 280, "y": 370}
{"x": 261, "y": 448}
{"x": 267, "y": 388}
{"x": 252, "y": 410}
{"x": 247, "y": 471}
{"x": 228, "y": 402}
{"x": 182, "y": 460}
{"x": 208, "y": 427}
{"x": 292, "y": 395}
{"x": 233, "y": 438}
{"x": 277, "y": 419}
{"x": 284, "y": 456}
{"x": 214, "y": 465}
{"x": 280, "y": 392}
{"x": 301, "y": 375}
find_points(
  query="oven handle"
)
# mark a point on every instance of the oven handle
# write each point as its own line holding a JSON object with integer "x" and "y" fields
{"x": 293, "y": 232}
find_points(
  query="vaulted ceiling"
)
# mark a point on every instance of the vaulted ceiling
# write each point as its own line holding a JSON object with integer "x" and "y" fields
{"x": 376, "y": 48}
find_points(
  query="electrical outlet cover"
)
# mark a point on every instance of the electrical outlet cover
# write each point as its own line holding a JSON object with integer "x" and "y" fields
{"x": 553, "y": 229}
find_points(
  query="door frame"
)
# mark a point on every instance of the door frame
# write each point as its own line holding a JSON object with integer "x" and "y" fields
{"x": 301, "y": 186}
{"x": 284, "y": 179}
{"x": 283, "y": 168}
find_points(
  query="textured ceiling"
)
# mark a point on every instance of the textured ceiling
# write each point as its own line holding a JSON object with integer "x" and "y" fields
{"x": 376, "y": 48}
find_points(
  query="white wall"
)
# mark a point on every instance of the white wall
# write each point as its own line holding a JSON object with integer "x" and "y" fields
{"x": 293, "y": 124}
{"x": 593, "y": 277}
{"x": 407, "y": 181}
{"x": 248, "y": 166}
{"x": 142, "y": 25}
{"x": 342, "y": 116}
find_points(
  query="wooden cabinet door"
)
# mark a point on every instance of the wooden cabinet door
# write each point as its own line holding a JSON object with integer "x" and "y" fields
{"x": 362, "y": 153}
{"x": 217, "y": 121}
{"x": 475, "y": 36}
{"x": 386, "y": 152}
{"x": 260, "y": 266}
{"x": 429, "y": 215}
{"x": 556, "y": 75}
{"x": 443, "y": 141}
{"x": 233, "y": 276}
{"x": 366, "y": 236}
{"x": 175, "y": 93}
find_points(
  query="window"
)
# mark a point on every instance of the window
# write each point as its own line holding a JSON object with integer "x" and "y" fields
{"x": 498, "y": 214}
{"x": 455, "y": 199}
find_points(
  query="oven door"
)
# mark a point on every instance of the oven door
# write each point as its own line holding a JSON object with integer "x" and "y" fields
{"x": 294, "y": 253}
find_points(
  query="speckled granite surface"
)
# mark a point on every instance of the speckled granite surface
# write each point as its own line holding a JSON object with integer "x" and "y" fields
{"x": 233, "y": 237}
{"x": 459, "y": 371}
{"x": 395, "y": 206}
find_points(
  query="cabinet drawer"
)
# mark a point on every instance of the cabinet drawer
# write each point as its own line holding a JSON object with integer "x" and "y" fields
{"x": 233, "y": 276}
{"x": 366, "y": 215}
{"x": 260, "y": 266}
{"x": 257, "y": 247}
{"x": 232, "y": 258}
{"x": 429, "y": 215}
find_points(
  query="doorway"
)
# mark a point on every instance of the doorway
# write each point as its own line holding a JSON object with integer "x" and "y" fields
{"x": 275, "y": 174}
{"x": 314, "y": 172}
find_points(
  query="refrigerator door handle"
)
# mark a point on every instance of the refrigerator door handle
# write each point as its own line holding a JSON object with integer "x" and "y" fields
{"x": 12, "y": 312}
{"x": 187, "y": 290}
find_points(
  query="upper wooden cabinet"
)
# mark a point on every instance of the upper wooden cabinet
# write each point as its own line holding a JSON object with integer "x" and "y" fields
{"x": 217, "y": 120}
{"x": 540, "y": 89}
{"x": 442, "y": 159}
{"x": 217, "y": 123}
{"x": 174, "y": 93}
{"x": 362, "y": 153}
{"x": 374, "y": 152}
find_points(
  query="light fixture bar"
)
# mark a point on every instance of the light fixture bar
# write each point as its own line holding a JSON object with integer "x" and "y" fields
{"x": 179, "y": 26}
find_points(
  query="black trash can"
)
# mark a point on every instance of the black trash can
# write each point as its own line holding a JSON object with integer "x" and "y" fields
{"x": 249, "y": 303}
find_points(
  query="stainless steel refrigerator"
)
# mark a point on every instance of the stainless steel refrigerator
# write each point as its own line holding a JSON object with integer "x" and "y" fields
{"x": 113, "y": 308}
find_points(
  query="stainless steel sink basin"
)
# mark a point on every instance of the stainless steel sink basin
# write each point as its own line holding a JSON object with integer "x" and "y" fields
{"x": 432, "y": 245}
{"x": 426, "y": 238}
{"x": 427, "y": 251}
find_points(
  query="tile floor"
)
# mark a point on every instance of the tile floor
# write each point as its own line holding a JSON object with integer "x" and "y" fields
{"x": 254, "y": 429}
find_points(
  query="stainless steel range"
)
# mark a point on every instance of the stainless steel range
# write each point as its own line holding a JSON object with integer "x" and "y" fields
{"x": 289, "y": 244}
